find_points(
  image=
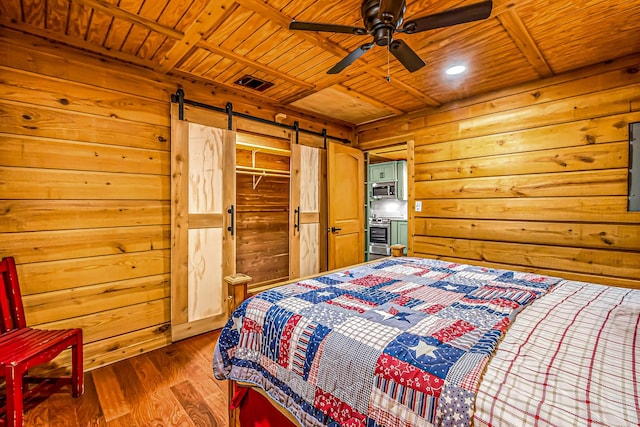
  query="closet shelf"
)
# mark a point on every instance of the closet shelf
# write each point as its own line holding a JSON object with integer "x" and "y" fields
{"x": 262, "y": 148}
{"x": 261, "y": 172}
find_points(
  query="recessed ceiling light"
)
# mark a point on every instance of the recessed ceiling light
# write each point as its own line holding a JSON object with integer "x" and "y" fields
{"x": 456, "y": 69}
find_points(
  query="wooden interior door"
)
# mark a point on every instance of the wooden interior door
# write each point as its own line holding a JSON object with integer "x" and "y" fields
{"x": 346, "y": 208}
{"x": 305, "y": 228}
{"x": 202, "y": 210}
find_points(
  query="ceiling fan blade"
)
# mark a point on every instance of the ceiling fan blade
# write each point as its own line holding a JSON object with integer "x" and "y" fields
{"x": 406, "y": 55}
{"x": 349, "y": 59}
{"x": 460, "y": 15}
{"x": 391, "y": 10}
{"x": 331, "y": 28}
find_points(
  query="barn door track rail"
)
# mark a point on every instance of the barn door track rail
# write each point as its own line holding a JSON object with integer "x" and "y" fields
{"x": 179, "y": 99}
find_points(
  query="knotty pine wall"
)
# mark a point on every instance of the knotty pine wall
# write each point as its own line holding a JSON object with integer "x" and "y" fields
{"x": 85, "y": 190}
{"x": 532, "y": 178}
{"x": 262, "y": 240}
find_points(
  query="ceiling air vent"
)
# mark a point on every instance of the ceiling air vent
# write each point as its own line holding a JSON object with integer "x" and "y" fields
{"x": 253, "y": 83}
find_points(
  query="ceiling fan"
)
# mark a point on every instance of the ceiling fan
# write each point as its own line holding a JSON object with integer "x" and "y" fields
{"x": 382, "y": 18}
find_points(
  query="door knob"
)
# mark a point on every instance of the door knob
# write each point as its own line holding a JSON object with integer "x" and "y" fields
{"x": 335, "y": 229}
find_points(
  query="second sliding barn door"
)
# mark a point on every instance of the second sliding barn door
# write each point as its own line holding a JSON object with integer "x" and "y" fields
{"x": 203, "y": 243}
{"x": 305, "y": 230}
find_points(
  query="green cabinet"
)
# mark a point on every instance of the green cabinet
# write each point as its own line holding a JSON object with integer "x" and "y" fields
{"x": 382, "y": 172}
{"x": 390, "y": 172}
{"x": 399, "y": 234}
{"x": 401, "y": 186}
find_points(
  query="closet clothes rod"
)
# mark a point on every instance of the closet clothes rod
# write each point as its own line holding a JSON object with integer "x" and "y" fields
{"x": 262, "y": 172}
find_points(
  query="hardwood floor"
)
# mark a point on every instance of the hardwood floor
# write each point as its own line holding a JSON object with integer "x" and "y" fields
{"x": 171, "y": 386}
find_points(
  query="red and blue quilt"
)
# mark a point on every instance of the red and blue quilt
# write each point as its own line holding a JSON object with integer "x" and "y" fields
{"x": 397, "y": 342}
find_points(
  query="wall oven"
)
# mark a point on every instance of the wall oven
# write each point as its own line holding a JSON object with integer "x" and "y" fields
{"x": 380, "y": 236}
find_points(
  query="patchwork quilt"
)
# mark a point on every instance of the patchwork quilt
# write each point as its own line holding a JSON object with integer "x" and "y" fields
{"x": 398, "y": 342}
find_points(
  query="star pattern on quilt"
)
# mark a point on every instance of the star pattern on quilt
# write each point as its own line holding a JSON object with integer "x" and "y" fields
{"x": 385, "y": 314}
{"x": 403, "y": 317}
{"x": 424, "y": 349}
{"x": 394, "y": 313}
{"x": 237, "y": 323}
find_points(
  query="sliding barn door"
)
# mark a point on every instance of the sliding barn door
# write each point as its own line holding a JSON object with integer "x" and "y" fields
{"x": 305, "y": 231}
{"x": 346, "y": 205}
{"x": 202, "y": 209}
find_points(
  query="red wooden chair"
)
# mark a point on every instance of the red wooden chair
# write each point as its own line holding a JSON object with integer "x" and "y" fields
{"x": 22, "y": 348}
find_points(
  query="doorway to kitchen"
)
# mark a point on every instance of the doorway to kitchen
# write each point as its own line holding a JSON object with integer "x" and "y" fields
{"x": 387, "y": 194}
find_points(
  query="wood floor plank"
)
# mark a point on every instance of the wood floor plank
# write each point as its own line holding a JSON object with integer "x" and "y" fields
{"x": 195, "y": 405}
{"x": 200, "y": 352}
{"x": 60, "y": 412}
{"x": 202, "y": 355}
{"x": 88, "y": 406}
{"x": 37, "y": 416}
{"x": 134, "y": 393}
{"x": 110, "y": 394}
{"x": 124, "y": 421}
{"x": 162, "y": 402}
{"x": 218, "y": 404}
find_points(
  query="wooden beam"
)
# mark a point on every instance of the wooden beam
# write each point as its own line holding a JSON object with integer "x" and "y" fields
{"x": 367, "y": 99}
{"x": 516, "y": 29}
{"x": 208, "y": 18}
{"x": 75, "y": 42}
{"x": 442, "y": 35}
{"x": 283, "y": 20}
{"x": 255, "y": 98}
{"x": 113, "y": 10}
{"x": 301, "y": 94}
{"x": 240, "y": 59}
{"x": 382, "y": 74}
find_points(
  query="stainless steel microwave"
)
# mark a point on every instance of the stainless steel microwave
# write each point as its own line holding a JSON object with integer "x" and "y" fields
{"x": 383, "y": 190}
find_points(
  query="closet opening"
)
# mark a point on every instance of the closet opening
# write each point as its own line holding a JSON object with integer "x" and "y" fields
{"x": 262, "y": 207}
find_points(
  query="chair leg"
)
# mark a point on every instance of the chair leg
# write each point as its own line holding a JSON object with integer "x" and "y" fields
{"x": 77, "y": 369}
{"x": 13, "y": 378}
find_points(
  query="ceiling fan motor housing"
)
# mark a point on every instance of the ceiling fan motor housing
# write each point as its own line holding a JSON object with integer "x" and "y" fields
{"x": 381, "y": 28}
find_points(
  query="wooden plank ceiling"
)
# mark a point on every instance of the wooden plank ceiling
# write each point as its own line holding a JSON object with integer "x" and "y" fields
{"x": 220, "y": 41}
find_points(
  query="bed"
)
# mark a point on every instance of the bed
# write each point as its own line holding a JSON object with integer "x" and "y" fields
{"x": 419, "y": 342}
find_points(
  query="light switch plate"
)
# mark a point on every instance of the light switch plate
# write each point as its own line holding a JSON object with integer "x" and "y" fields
{"x": 418, "y": 206}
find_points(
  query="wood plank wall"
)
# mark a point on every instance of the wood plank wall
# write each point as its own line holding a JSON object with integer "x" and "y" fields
{"x": 85, "y": 190}
{"x": 532, "y": 178}
{"x": 263, "y": 220}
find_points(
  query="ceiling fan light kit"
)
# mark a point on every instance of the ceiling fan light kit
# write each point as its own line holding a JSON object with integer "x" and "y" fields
{"x": 383, "y": 18}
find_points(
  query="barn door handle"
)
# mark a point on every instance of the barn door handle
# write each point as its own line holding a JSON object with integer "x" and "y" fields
{"x": 231, "y": 227}
{"x": 296, "y": 223}
{"x": 335, "y": 229}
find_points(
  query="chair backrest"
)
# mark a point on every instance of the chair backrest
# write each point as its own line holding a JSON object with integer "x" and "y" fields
{"x": 11, "y": 309}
